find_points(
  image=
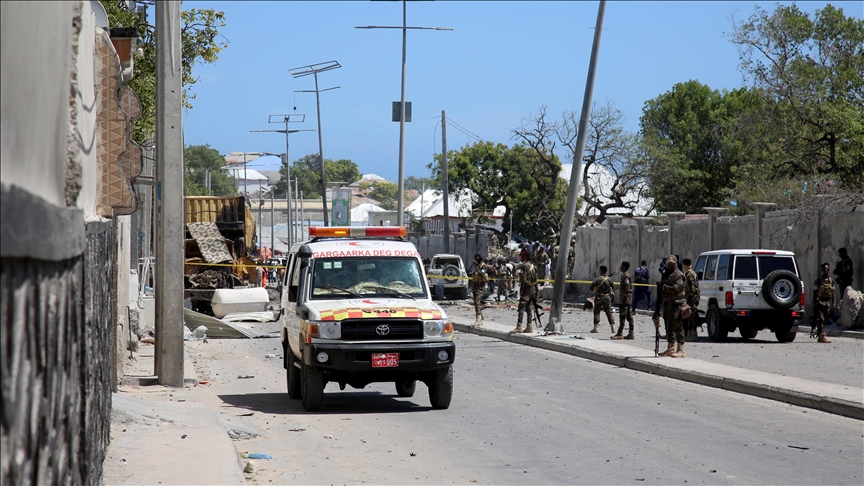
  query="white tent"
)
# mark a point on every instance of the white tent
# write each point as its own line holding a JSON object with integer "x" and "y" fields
{"x": 431, "y": 204}
{"x": 360, "y": 214}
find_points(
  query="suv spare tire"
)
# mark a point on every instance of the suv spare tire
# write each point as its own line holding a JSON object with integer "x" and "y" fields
{"x": 450, "y": 271}
{"x": 781, "y": 289}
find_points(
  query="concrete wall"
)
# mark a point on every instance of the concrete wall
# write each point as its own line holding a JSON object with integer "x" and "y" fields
{"x": 86, "y": 105}
{"x": 464, "y": 244}
{"x": 36, "y": 54}
{"x": 624, "y": 247}
{"x": 691, "y": 238}
{"x": 735, "y": 233}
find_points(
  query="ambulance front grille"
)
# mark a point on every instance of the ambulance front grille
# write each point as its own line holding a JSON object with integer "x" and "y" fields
{"x": 381, "y": 329}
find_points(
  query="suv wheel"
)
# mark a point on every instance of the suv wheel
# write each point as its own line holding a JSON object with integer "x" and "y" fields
{"x": 747, "y": 333}
{"x": 781, "y": 289}
{"x": 292, "y": 374}
{"x": 716, "y": 330}
{"x": 406, "y": 388}
{"x": 450, "y": 271}
{"x": 441, "y": 388}
{"x": 312, "y": 388}
{"x": 784, "y": 334}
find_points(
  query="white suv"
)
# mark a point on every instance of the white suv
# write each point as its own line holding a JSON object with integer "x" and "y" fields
{"x": 750, "y": 290}
{"x": 450, "y": 272}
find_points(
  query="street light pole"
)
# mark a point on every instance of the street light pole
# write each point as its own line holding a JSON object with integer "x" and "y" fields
{"x": 314, "y": 69}
{"x": 400, "y": 210}
{"x": 286, "y": 119}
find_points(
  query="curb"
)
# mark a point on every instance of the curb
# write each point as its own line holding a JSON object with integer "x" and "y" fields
{"x": 833, "y": 405}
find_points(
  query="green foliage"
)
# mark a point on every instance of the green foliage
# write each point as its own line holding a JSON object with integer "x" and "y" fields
{"x": 198, "y": 159}
{"x": 690, "y": 145}
{"x": 309, "y": 177}
{"x": 508, "y": 176}
{"x": 417, "y": 183}
{"x": 199, "y": 33}
{"x": 385, "y": 192}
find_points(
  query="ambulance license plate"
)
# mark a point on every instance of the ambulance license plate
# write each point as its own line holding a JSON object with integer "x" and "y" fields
{"x": 385, "y": 360}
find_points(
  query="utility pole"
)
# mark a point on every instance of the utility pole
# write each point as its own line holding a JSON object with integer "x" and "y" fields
{"x": 554, "y": 326}
{"x": 445, "y": 182}
{"x": 169, "y": 196}
{"x": 314, "y": 69}
{"x": 400, "y": 202}
{"x": 286, "y": 119}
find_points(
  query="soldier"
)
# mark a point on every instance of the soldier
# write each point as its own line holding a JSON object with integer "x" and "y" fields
{"x": 541, "y": 259}
{"x": 624, "y": 311}
{"x": 527, "y": 291}
{"x": 844, "y": 272}
{"x": 672, "y": 293}
{"x": 504, "y": 279}
{"x": 571, "y": 256}
{"x": 603, "y": 289}
{"x": 691, "y": 294}
{"x": 478, "y": 286}
{"x": 823, "y": 289}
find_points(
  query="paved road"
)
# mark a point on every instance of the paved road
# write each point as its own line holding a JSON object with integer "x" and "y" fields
{"x": 521, "y": 415}
{"x": 841, "y": 362}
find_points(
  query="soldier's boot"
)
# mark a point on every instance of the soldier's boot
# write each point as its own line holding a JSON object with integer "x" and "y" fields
{"x": 518, "y": 328}
{"x": 679, "y": 353}
{"x": 823, "y": 338}
{"x": 595, "y": 330}
{"x": 630, "y": 335}
{"x": 669, "y": 349}
{"x": 613, "y": 327}
{"x": 618, "y": 334}
{"x": 529, "y": 329}
{"x": 478, "y": 321}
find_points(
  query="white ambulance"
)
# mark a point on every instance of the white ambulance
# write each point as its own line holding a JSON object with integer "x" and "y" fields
{"x": 356, "y": 310}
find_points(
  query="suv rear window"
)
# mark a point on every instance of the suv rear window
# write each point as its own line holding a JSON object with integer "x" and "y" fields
{"x": 745, "y": 268}
{"x": 768, "y": 264}
{"x": 443, "y": 262}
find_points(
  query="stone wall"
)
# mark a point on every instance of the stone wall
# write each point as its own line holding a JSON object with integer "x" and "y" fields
{"x": 814, "y": 240}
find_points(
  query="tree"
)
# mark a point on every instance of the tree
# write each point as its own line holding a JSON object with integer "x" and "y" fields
{"x": 385, "y": 192}
{"x": 613, "y": 173}
{"x": 691, "y": 152}
{"x": 417, "y": 183}
{"x": 199, "y": 32}
{"x": 810, "y": 75}
{"x": 309, "y": 176}
{"x": 200, "y": 159}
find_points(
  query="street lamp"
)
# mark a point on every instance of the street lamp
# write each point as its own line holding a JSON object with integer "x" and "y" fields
{"x": 286, "y": 119}
{"x": 401, "y": 197}
{"x": 314, "y": 69}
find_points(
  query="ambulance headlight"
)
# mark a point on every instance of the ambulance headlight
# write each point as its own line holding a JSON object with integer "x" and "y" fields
{"x": 329, "y": 330}
{"x": 441, "y": 328}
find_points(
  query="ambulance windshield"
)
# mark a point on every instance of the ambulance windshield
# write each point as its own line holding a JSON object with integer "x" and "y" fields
{"x": 339, "y": 278}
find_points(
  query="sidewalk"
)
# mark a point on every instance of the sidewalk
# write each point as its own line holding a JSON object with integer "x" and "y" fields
{"x": 828, "y": 397}
{"x": 160, "y": 437}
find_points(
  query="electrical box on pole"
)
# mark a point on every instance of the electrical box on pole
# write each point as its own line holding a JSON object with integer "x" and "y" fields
{"x": 397, "y": 109}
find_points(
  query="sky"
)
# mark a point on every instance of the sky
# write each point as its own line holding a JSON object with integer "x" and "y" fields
{"x": 501, "y": 62}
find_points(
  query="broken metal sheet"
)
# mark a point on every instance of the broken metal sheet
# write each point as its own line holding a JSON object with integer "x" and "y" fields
{"x": 266, "y": 316}
{"x": 215, "y": 327}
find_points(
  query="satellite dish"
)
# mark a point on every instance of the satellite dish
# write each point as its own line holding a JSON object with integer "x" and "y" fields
{"x": 101, "y": 14}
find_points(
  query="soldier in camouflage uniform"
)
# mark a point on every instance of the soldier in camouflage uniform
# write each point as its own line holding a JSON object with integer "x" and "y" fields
{"x": 478, "y": 286}
{"x": 527, "y": 291}
{"x": 672, "y": 293}
{"x": 625, "y": 313}
{"x": 691, "y": 295}
{"x": 541, "y": 259}
{"x": 823, "y": 289}
{"x": 603, "y": 289}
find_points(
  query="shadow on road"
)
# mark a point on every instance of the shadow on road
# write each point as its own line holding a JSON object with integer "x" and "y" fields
{"x": 361, "y": 401}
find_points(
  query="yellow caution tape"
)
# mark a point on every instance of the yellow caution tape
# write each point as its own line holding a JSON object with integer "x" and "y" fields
{"x": 238, "y": 264}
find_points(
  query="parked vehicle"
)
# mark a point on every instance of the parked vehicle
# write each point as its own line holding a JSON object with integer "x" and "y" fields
{"x": 356, "y": 310}
{"x": 750, "y": 290}
{"x": 454, "y": 277}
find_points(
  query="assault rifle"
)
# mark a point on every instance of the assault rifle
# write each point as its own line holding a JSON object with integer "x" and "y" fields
{"x": 537, "y": 308}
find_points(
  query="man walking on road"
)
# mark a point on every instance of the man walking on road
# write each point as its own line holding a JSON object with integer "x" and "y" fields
{"x": 478, "y": 286}
{"x": 527, "y": 291}
{"x": 603, "y": 289}
{"x": 691, "y": 295}
{"x": 643, "y": 276}
{"x": 672, "y": 293}
{"x": 624, "y": 311}
{"x": 823, "y": 289}
{"x": 541, "y": 260}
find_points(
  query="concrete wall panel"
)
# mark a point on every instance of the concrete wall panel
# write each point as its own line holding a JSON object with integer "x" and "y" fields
{"x": 691, "y": 238}
{"x": 624, "y": 247}
{"x": 36, "y": 53}
{"x": 843, "y": 230}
